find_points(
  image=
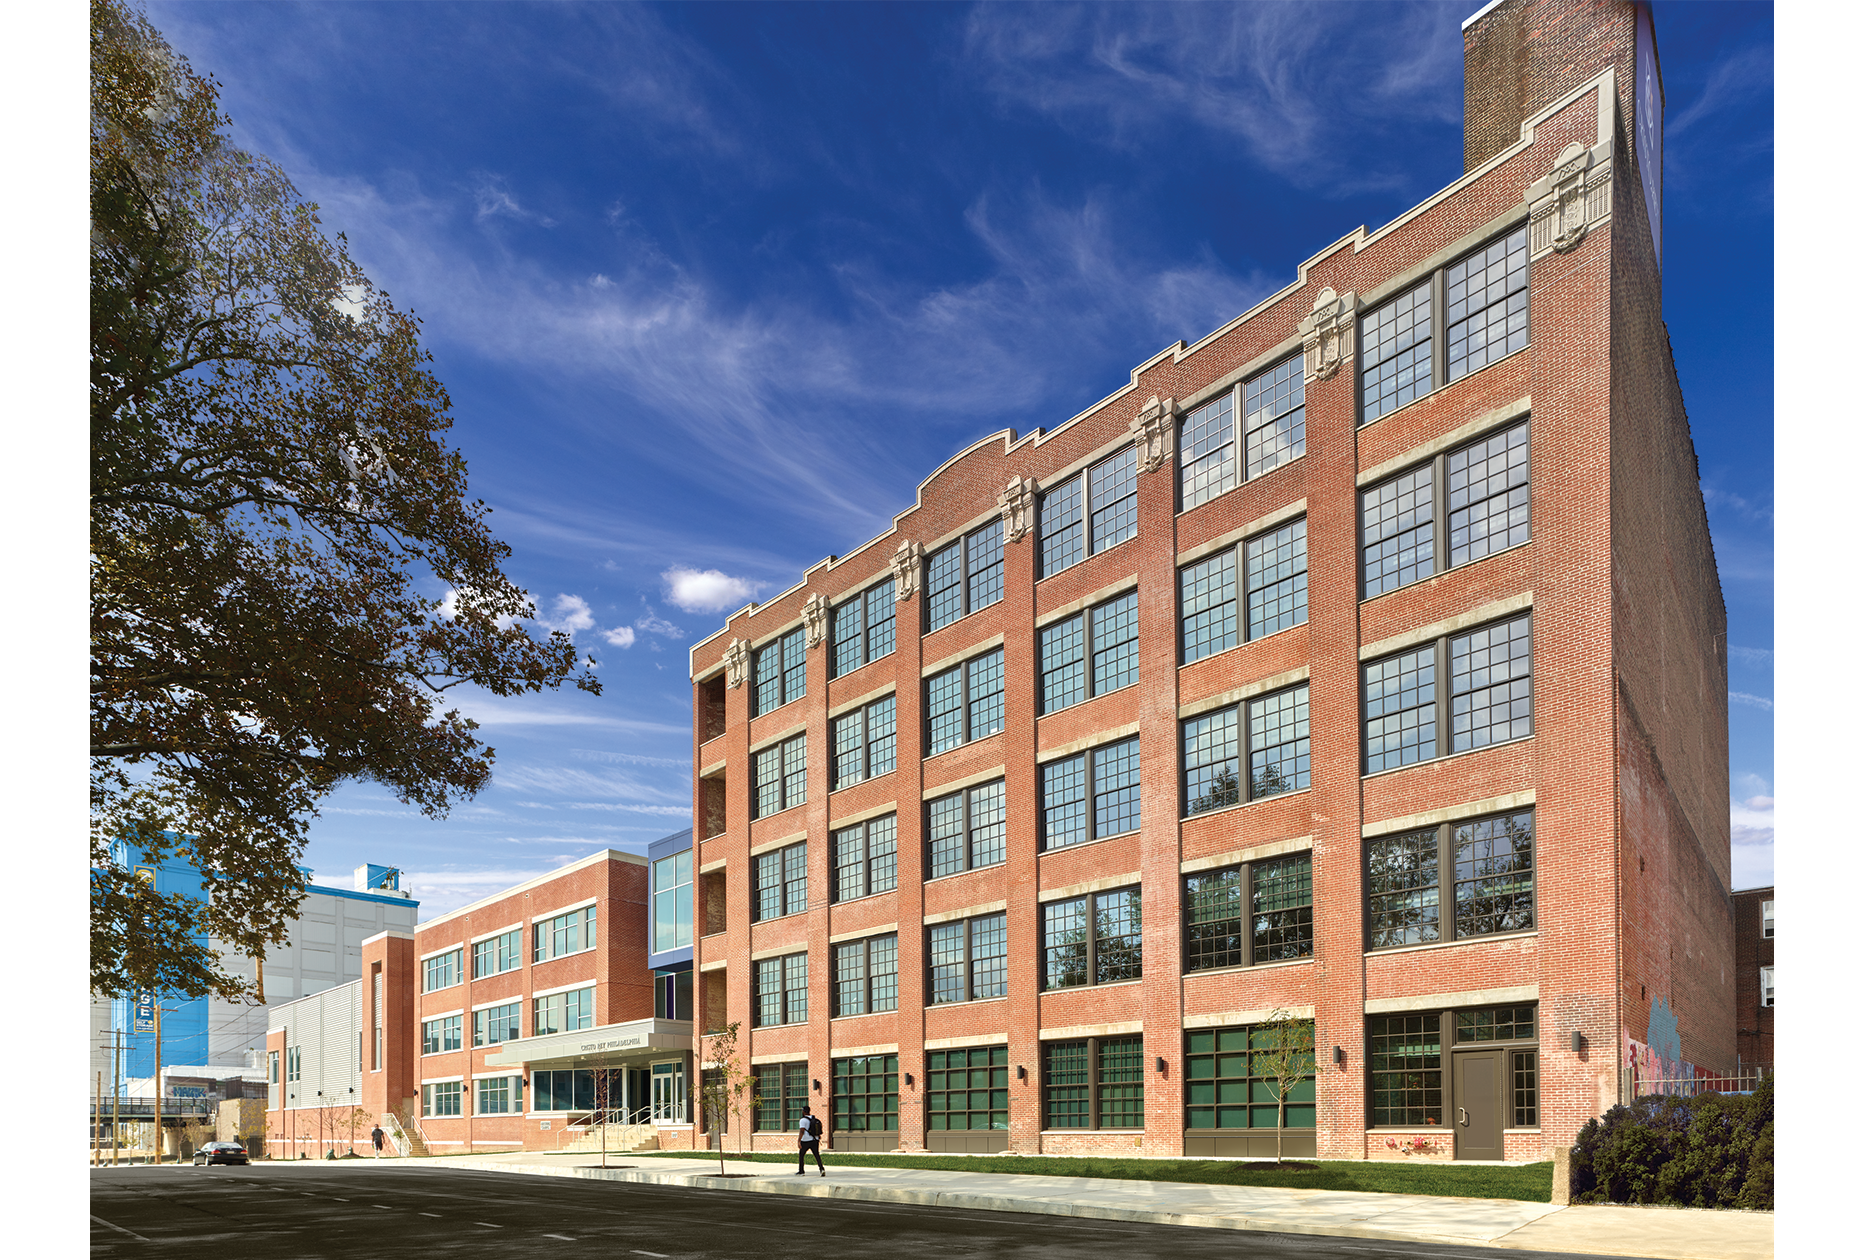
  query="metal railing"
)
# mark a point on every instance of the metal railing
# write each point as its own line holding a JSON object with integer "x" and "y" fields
{"x": 1743, "y": 1082}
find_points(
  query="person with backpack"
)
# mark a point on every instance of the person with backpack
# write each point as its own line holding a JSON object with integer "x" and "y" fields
{"x": 809, "y": 1141}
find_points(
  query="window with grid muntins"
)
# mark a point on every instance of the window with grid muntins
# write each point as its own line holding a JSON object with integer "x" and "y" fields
{"x": 1090, "y": 654}
{"x": 866, "y": 1094}
{"x": 968, "y": 1089}
{"x": 1090, "y": 512}
{"x": 495, "y": 1097}
{"x": 1397, "y": 532}
{"x": 441, "y": 971}
{"x": 1485, "y": 305}
{"x": 1091, "y": 795}
{"x": 964, "y": 703}
{"x": 1281, "y": 913}
{"x": 779, "y": 672}
{"x": 1487, "y": 486}
{"x": 780, "y": 777}
{"x": 863, "y": 744}
{"x": 1491, "y": 861}
{"x": 1274, "y": 567}
{"x": 965, "y": 576}
{"x": 563, "y": 1012}
{"x": 866, "y": 858}
{"x": 782, "y": 882}
{"x": 1492, "y": 685}
{"x": 1489, "y": 699}
{"x": 1228, "y": 1087}
{"x": 440, "y": 1035}
{"x": 1395, "y": 354}
{"x": 1272, "y": 741}
{"x": 1092, "y": 939}
{"x": 966, "y": 829}
{"x": 968, "y": 959}
{"x": 1495, "y": 1023}
{"x": 1275, "y": 416}
{"x": 1208, "y": 459}
{"x": 1524, "y": 1073}
{"x": 781, "y": 1091}
{"x": 1093, "y": 1083}
{"x": 780, "y": 990}
{"x": 442, "y": 1099}
{"x": 867, "y": 975}
{"x": 568, "y": 933}
{"x": 1409, "y": 529}
{"x": 861, "y": 630}
{"x": 1404, "y": 1055}
{"x": 499, "y": 953}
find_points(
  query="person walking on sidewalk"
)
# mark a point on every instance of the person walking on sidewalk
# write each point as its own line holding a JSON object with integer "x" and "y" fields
{"x": 809, "y": 1142}
{"x": 376, "y": 1135}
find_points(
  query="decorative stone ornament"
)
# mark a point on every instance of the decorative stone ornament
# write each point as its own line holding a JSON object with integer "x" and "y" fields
{"x": 1018, "y": 501}
{"x": 815, "y": 619}
{"x": 1327, "y": 334}
{"x": 737, "y": 663}
{"x": 1575, "y": 194}
{"x": 1152, "y": 431}
{"x": 906, "y": 570}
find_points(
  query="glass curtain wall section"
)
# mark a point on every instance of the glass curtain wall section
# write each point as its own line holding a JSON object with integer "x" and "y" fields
{"x": 673, "y": 901}
{"x": 861, "y": 630}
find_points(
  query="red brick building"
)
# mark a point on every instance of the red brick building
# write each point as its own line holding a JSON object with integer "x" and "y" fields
{"x": 495, "y": 1027}
{"x": 1753, "y": 908}
{"x": 1361, "y": 663}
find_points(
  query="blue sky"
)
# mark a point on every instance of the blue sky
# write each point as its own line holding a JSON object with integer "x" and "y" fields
{"x": 714, "y": 287}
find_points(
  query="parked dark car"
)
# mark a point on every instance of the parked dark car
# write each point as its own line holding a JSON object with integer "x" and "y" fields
{"x": 221, "y": 1153}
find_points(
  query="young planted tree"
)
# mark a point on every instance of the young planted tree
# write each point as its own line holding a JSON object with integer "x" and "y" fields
{"x": 723, "y": 1085}
{"x": 1282, "y": 1050}
{"x": 275, "y": 515}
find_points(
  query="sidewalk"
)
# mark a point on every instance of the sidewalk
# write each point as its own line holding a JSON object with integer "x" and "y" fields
{"x": 1658, "y": 1233}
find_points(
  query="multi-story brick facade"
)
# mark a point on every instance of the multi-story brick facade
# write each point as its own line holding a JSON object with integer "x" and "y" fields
{"x": 1388, "y": 608}
{"x": 1754, "y": 976}
{"x": 496, "y": 1026}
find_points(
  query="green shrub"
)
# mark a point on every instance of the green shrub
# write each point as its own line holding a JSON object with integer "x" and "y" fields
{"x": 1713, "y": 1150}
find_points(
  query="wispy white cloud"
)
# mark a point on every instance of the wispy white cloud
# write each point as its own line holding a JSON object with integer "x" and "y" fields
{"x": 1759, "y": 658}
{"x": 656, "y": 625}
{"x": 570, "y": 614}
{"x": 1752, "y": 701}
{"x": 492, "y": 712}
{"x": 664, "y": 811}
{"x": 1752, "y": 831}
{"x": 492, "y": 200}
{"x": 621, "y": 637}
{"x": 707, "y": 590}
{"x": 572, "y": 781}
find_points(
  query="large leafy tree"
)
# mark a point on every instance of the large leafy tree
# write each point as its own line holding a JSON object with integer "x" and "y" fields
{"x": 270, "y": 490}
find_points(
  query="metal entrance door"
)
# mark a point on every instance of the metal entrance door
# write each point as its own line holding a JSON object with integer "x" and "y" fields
{"x": 670, "y": 1093}
{"x": 1477, "y": 1085}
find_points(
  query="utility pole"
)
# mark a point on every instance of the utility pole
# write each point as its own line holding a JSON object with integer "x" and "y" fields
{"x": 116, "y": 1097}
{"x": 97, "y": 1123}
{"x": 158, "y": 1080}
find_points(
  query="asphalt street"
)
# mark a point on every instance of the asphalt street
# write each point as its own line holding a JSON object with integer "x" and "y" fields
{"x": 379, "y": 1210}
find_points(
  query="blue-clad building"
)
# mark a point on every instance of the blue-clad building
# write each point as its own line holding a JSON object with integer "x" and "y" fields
{"x": 670, "y": 924}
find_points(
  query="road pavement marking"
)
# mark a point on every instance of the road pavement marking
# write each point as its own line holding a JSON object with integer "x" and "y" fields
{"x": 560, "y": 1237}
{"x": 383, "y": 1206}
{"x": 119, "y": 1229}
{"x": 435, "y": 1215}
{"x": 340, "y": 1200}
{"x": 661, "y": 1254}
{"x": 487, "y": 1224}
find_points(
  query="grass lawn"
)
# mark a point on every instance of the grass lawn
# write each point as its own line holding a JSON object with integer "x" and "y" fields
{"x": 1530, "y": 1183}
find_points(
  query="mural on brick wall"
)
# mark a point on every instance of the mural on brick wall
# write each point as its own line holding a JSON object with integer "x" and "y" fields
{"x": 1657, "y": 1066}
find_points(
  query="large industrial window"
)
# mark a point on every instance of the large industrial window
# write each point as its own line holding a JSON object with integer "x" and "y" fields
{"x": 568, "y": 933}
{"x": 1490, "y": 699}
{"x": 499, "y": 1095}
{"x": 503, "y": 952}
{"x": 867, "y": 976}
{"x": 1490, "y": 862}
{"x": 1275, "y": 432}
{"x": 441, "y": 971}
{"x": 1395, "y": 353}
{"x": 781, "y": 1091}
{"x": 1090, "y": 654}
{"x": 862, "y": 628}
{"x": 964, "y": 703}
{"x": 1466, "y": 504}
{"x": 1269, "y": 734}
{"x": 1091, "y": 795}
{"x": 1090, "y": 512}
{"x": 1405, "y": 1059}
{"x": 866, "y": 858}
{"x": 862, "y": 744}
{"x": 1091, "y": 939}
{"x": 866, "y": 1094}
{"x": 968, "y": 1089}
{"x": 1094, "y": 1083}
{"x": 779, "y": 777}
{"x": 780, "y": 990}
{"x": 965, "y": 576}
{"x": 1485, "y": 304}
{"x": 1281, "y": 913}
{"x": 779, "y": 672}
{"x": 780, "y": 882}
{"x": 1226, "y": 1086}
{"x": 965, "y": 830}
{"x": 1274, "y": 567}
{"x": 968, "y": 959}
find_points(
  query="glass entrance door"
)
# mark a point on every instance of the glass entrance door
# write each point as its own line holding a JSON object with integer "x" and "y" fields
{"x": 670, "y": 1093}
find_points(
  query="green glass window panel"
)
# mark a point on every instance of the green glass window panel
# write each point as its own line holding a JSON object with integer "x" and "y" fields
{"x": 1263, "y": 1117}
{"x": 1300, "y": 1116}
{"x": 1233, "y": 1039}
{"x": 1234, "y": 1092}
{"x": 1262, "y": 1092}
{"x": 1233, "y": 1065}
{"x": 1232, "y": 1118}
{"x": 1303, "y": 1091}
{"x": 937, "y": 1121}
{"x": 1202, "y": 1042}
{"x": 1200, "y": 1118}
{"x": 1201, "y": 1092}
{"x": 1200, "y": 1067}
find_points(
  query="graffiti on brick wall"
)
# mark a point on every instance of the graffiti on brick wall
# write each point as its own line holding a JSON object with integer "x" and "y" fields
{"x": 1657, "y": 1065}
